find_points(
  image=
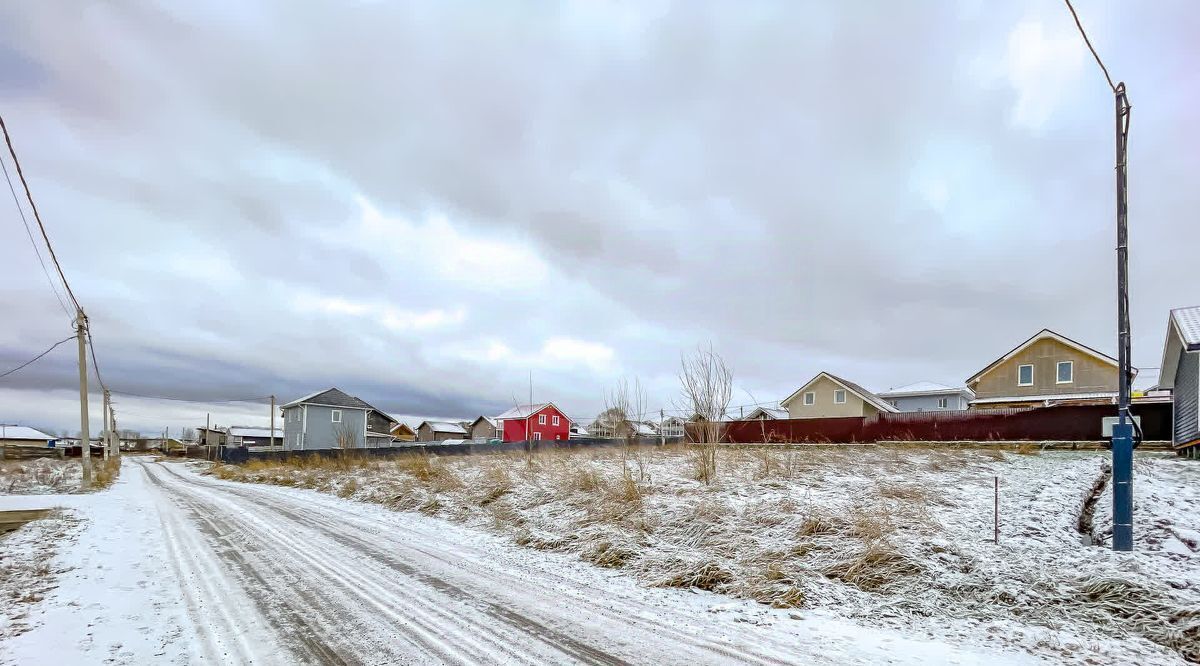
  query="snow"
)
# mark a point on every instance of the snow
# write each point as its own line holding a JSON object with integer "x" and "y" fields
{"x": 40, "y": 476}
{"x": 892, "y": 537}
{"x": 168, "y": 566}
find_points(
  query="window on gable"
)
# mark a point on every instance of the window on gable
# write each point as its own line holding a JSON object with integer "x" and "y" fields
{"x": 1066, "y": 372}
{"x": 810, "y": 398}
{"x": 541, "y": 419}
{"x": 839, "y": 396}
{"x": 554, "y": 420}
{"x": 1025, "y": 375}
{"x": 943, "y": 402}
{"x": 336, "y": 415}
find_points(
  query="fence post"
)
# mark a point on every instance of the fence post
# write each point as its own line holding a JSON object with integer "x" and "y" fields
{"x": 996, "y": 511}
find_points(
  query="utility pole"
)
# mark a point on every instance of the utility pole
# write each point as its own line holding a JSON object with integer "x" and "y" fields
{"x": 106, "y": 436}
{"x": 662, "y": 434}
{"x": 1122, "y": 441}
{"x": 114, "y": 438}
{"x": 207, "y": 433}
{"x": 85, "y": 436}
{"x": 272, "y": 422}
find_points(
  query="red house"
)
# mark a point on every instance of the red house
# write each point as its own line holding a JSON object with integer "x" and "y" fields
{"x": 540, "y": 421}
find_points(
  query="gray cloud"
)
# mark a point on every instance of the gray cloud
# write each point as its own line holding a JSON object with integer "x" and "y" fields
{"x": 875, "y": 191}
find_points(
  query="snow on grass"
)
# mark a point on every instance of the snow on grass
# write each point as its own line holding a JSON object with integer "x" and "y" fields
{"x": 900, "y": 536}
{"x": 49, "y": 476}
{"x": 27, "y": 568}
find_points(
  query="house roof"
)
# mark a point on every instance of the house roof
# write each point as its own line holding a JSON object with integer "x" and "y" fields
{"x": 1048, "y": 396}
{"x": 491, "y": 421}
{"x": 525, "y": 411}
{"x": 333, "y": 397}
{"x": 769, "y": 412}
{"x": 868, "y": 397}
{"x": 401, "y": 424}
{"x": 24, "y": 432}
{"x": 925, "y": 388}
{"x": 444, "y": 426}
{"x": 1183, "y": 334}
{"x": 1044, "y": 334}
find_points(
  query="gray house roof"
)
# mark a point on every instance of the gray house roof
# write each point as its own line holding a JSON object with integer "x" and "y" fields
{"x": 332, "y": 397}
{"x": 444, "y": 426}
{"x": 925, "y": 388}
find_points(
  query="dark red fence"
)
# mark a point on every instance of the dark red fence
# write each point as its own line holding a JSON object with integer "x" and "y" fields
{"x": 1058, "y": 423}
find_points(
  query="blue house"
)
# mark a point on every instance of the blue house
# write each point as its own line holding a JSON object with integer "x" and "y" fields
{"x": 928, "y": 397}
{"x": 332, "y": 419}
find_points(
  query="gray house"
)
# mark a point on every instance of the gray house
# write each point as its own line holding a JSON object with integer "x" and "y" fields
{"x": 928, "y": 397}
{"x": 440, "y": 431}
{"x": 330, "y": 419}
{"x": 483, "y": 429}
{"x": 1180, "y": 372}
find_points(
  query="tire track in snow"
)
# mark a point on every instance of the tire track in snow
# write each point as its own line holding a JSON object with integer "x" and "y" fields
{"x": 441, "y": 635}
{"x": 366, "y": 535}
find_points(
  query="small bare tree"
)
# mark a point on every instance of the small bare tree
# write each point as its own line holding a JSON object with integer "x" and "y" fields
{"x": 707, "y": 384}
{"x": 625, "y": 409}
{"x": 346, "y": 437}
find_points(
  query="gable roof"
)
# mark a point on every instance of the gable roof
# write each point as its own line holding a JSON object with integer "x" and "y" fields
{"x": 769, "y": 412}
{"x": 525, "y": 411}
{"x": 333, "y": 397}
{"x": 24, "y": 432}
{"x": 1183, "y": 335}
{"x": 443, "y": 426}
{"x": 491, "y": 421}
{"x": 866, "y": 396}
{"x": 925, "y": 388}
{"x": 1044, "y": 334}
{"x": 402, "y": 424}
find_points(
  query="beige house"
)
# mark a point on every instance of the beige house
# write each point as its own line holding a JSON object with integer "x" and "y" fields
{"x": 403, "y": 432}
{"x": 482, "y": 429}
{"x": 1044, "y": 370}
{"x": 826, "y": 396}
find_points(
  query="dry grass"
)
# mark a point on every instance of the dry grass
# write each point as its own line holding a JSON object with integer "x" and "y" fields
{"x": 1029, "y": 449}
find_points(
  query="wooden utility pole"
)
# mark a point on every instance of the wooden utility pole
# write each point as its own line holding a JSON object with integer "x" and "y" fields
{"x": 85, "y": 438}
{"x": 114, "y": 437}
{"x": 207, "y": 433}
{"x": 273, "y": 422}
{"x": 106, "y": 434}
{"x": 662, "y": 433}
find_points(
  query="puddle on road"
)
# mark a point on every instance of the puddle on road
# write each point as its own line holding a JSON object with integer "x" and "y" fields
{"x": 12, "y": 520}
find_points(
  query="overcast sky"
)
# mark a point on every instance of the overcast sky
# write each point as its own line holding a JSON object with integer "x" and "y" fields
{"x": 424, "y": 204}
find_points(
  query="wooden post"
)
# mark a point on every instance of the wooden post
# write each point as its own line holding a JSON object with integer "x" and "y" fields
{"x": 996, "y": 511}
{"x": 85, "y": 438}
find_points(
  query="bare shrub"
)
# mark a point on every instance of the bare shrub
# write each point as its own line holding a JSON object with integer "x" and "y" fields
{"x": 1029, "y": 449}
{"x": 707, "y": 388}
{"x": 874, "y": 568}
{"x": 700, "y": 574}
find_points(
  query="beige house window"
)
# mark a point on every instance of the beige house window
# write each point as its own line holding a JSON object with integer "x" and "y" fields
{"x": 839, "y": 396}
{"x": 1066, "y": 372}
{"x": 1024, "y": 375}
{"x": 810, "y": 398}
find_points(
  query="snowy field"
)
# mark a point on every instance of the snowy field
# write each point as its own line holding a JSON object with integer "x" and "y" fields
{"x": 39, "y": 476}
{"x": 896, "y": 538}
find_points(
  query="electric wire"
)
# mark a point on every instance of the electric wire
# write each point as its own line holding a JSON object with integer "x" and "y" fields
{"x": 35, "y": 358}
{"x": 29, "y": 233}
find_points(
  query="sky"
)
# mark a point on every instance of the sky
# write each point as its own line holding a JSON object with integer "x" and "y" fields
{"x": 439, "y": 207}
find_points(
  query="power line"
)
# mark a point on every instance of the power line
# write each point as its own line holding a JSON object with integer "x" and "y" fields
{"x": 95, "y": 365}
{"x": 29, "y": 232}
{"x": 36, "y": 216}
{"x": 35, "y": 358}
{"x": 1090, "y": 47}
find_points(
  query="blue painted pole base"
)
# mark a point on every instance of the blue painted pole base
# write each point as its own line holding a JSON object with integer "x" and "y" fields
{"x": 1122, "y": 462}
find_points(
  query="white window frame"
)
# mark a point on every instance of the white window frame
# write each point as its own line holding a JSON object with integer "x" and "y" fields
{"x": 810, "y": 398}
{"x": 1058, "y": 372}
{"x": 835, "y": 396}
{"x": 537, "y": 435}
{"x": 554, "y": 420}
{"x": 541, "y": 419}
{"x": 1031, "y": 378}
{"x": 943, "y": 403}
{"x": 335, "y": 415}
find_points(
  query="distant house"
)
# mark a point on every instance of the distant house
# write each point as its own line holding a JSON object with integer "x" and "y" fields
{"x": 250, "y": 436}
{"x": 928, "y": 397}
{"x": 15, "y": 435}
{"x": 533, "y": 422}
{"x": 331, "y": 419}
{"x": 827, "y": 395}
{"x": 402, "y": 432}
{"x": 1180, "y": 372}
{"x": 1046, "y": 369}
{"x": 767, "y": 413}
{"x": 440, "y": 431}
{"x": 483, "y": 429}
{"x": 672, "y": 426}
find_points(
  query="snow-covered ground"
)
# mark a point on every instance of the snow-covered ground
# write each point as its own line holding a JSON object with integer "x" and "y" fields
{"x": 888, "y": 537}
{"x": 168, "y": 566}
{"x": 40, "y": 476}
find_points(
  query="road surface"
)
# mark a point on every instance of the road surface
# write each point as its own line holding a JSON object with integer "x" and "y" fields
{"x": 259, "y": 574}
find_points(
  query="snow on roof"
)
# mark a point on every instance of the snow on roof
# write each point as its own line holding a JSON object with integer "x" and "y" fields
{"x": 445, "y": 426}
{"x": 24, "y": 432}
{"x": 924, "y": 388}
{"x": 770, "y": 412}
{"x": 1183, "y": 335}
{"x": 1187, "y": 322}
{"x": 1048, "y": 396}
{"x": 490, "y": 419}
{"x": 251, "y": 431}
{"x": 523, "y": 411}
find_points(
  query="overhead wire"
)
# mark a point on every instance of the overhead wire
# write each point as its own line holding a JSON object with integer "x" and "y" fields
{"x": 35, "y": 358}
{"x": 29, "y": 233}
{"x": 1087, "y": 41}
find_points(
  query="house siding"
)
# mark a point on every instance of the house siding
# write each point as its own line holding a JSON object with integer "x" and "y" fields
{"x": 483, "y": 430}
{"x": 321, "y": 432}
{"x": 1186, "y": 397}
{"x": 824, "y": 406}
{"x": 927, "y": 403}
{"x": 427, "y": 434}
{"x": 1091, "y": 375}
{"x": 514, "y": 429}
